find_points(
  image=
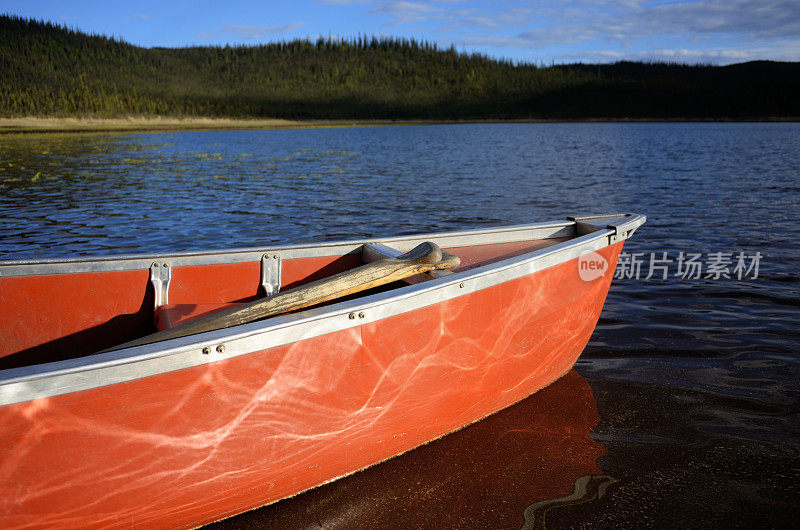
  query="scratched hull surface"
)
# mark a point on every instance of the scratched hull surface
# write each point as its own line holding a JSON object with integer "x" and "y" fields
{"x": 196, "y": 445}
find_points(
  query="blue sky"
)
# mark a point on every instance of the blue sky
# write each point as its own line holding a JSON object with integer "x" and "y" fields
{"x": 538, "y": 31}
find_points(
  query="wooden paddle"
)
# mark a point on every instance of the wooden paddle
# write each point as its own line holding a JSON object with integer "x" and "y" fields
{"x": 423, "y": 258}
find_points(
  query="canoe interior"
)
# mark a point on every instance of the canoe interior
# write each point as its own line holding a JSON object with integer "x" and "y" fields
{"x": 52, "y": 317}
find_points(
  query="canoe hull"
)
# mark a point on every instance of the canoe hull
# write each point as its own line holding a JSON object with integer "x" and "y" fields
{"x": 195, "y": 445}
{"x": 516, "y": 464}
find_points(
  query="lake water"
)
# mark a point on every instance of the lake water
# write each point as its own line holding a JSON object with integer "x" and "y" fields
{"x": 689, "y": 391}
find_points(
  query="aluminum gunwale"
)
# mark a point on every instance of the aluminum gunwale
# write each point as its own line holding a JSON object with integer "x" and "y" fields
{"x": 52, "y": 379}
{"x": 334, "y": 248}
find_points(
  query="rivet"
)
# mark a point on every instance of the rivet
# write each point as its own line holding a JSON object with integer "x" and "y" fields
{"x": 461, "y": 285}
{"x": 166, "y": 265}
{"x": 274, "y": 256}
{"x": 155, "y": 264}
{"x": 206, "y": 350}
{"x": 361, "y": 314}
{"x": 265, "y": 256}
{"x": 351, "y": 316}
{"x": 221, "y": 348}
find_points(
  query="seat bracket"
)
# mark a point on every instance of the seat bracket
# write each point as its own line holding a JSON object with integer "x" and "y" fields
{"x": 270, "y": 274}
{"x": 160, "y": 276}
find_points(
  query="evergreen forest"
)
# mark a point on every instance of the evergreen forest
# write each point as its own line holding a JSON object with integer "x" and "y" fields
{"x": 50, "y": 70}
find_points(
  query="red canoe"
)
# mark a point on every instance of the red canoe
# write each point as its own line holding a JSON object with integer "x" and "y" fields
{"x": 193, "y": 429}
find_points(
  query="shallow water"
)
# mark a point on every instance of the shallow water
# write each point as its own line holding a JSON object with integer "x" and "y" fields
{"x": 695, "y": 380}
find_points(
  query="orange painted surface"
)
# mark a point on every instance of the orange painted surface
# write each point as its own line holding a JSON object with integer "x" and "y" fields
{"x": 477, "y": 255}
{"x": 205, "y": 304}
{"x": 189, "y": 447}
{"x": 240, "y": 282}
{"x": 483, "y": 476}
{"x": 53, "y": 317}
{"x": 214, "y": 297}
{"x": 56, "y": 313}
{"x": 203, "y": 284}
{"x": 170, "y": 315}
{"x": 296, "y": 272}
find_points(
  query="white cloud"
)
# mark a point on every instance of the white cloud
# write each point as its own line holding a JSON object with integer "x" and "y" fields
{"x": 689, "y": 56}
{"x": 259, "y": 32}
{"x": 756, "y": 18}
{"x": 715, "y": 31}
{"x": 405, "y": 12}
{"x": 681, "y": 30}
{"x": 611, "y": 21}
{"x": 250, "y": 32}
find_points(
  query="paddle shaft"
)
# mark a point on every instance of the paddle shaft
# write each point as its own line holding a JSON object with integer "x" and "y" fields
{"x": 422, "y": 258}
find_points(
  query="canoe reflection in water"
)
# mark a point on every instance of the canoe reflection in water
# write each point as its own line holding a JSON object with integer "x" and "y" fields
{"x": 505, "y": 471}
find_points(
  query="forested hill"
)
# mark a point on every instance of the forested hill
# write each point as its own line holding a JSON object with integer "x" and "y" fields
{"x": 49, "y": 70}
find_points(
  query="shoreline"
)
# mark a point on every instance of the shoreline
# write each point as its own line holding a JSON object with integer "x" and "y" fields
{"x": 49, "y": 125}
{"x": 133, "y": 124}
